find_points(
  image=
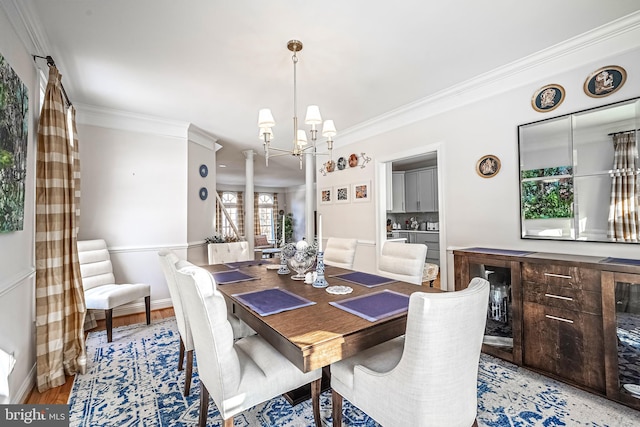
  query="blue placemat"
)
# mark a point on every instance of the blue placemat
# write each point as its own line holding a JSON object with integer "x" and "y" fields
{"x": 231, "y": 276}
{"x": 272, "y": 301}
{"x": 499, "y": 251}
{"x": 364, "y": 279}
{"x": 375, "y": 306}
{"x": 250, "y": 263}
{"x": 627, "y": 261}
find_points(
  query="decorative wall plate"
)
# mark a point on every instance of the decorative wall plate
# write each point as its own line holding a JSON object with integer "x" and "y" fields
{"x": 353, "y": 160}
{"x": 204, "y": 193}
{"x": 605, "y": 81}
{"x": 488, "y": 166}
{"x": 547, "y": 98}
{"x": 342, "y": 163}
{"x": 204, "y": 171}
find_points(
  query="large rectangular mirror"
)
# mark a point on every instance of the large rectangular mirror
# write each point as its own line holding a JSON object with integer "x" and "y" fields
{"x": 579, "y": 175}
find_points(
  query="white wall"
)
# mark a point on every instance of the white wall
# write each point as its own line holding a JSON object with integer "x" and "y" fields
{"x": 17, "y": 266}
{"x": 478, "y": 211}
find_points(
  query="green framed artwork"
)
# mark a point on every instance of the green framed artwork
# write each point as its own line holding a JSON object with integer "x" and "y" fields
{"x": 14, "y": 125}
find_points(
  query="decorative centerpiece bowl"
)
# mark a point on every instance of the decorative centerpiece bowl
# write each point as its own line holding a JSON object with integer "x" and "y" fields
{"x": 301, "y": 257}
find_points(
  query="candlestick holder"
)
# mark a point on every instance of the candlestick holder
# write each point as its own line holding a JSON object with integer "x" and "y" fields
{"x": 284, "y": 267}
{"x": 320, "y": 282}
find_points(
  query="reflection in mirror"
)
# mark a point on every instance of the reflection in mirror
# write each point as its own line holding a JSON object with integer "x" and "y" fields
{"x": 628, "y": 332}
{"x": 579, "y": 175}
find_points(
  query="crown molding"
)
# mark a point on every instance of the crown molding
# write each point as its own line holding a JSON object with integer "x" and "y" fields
{"x": 203, "y": 138}
{"x": 616, "y": 37}
{"x": 134, "y": 122}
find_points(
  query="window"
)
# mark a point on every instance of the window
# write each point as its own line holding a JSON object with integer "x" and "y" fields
{"x": 230, "y": 202}
{"x": 266, "y": 215}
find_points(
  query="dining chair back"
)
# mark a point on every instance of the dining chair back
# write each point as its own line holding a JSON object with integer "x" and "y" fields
{"x": 238, "y": 374}
{"x": 101, "y": 292}
{"x": 220, "y": 253}
{"x": 403, "y": 261}
{"x": 168, "y": 260}
{"x": 340, "y": 252}
{"x": 428, "y": 377}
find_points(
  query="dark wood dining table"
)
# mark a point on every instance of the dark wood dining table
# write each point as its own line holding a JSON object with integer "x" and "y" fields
{"x": 317, "y": 335}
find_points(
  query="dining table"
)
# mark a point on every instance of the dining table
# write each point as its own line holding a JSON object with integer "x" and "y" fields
{"x": 319, "y": 333}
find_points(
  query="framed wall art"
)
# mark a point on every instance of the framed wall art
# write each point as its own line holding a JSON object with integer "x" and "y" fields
{"x": 361, "y": 192}
{"x": 326, "y": 196}
{"x": 341, "y": 193}
{"x": 605, "y": 81}
{"x": 14, "y": 125}
{"x": 488, "y": 166}
{"x": 547, "y": 98}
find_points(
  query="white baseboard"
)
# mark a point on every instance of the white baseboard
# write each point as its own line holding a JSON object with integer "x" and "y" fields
{"x": 27, "y": 385}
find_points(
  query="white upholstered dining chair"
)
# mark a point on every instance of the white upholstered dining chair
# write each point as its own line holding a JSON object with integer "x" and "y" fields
{"x": 340, "y": 252}
{"x": 168, "y": 261}
{"x": 240, "y": 374}
{"x": 101, "y": 292}
{"x": 403, "y": 261}
{"x": 428, "y": 377}
{"x": 220, "y": 253}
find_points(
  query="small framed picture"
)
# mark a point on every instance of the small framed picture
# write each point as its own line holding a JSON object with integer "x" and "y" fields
{"x": 341, "y": 193}
{"x": 547, "y": 98}
{"x": 605, "y": 81}
{"x": 488, "y": 166}
{"x": 326, "y": 196}
{"x": 361, "y": 192}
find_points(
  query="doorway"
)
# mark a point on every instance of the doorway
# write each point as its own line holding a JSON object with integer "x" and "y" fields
{"x": 421, "y": 219}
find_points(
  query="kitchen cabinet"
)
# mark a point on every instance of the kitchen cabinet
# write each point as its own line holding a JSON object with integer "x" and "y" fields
{"x": 421, "y": 190}
{"x": 397, "y": 191}
{"x": 573, "y": 318}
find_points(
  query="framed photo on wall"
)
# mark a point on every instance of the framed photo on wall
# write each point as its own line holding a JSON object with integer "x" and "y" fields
{"x": 326, "y": 196}
{"x": 361, "y": 192}
{"x": 488, "y": 166}
{"x": 341, "y": 193}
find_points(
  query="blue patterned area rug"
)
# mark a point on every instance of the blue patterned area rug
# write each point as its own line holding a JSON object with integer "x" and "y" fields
{"x": 134, "y": 381}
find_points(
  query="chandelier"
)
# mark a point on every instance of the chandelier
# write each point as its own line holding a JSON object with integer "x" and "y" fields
{"x": 313, "y": 118}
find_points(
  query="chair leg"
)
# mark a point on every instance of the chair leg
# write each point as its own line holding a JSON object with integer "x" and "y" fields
{"x": 315, "y": 400}
{"x": 180, "y": 355}
{"x": 108, "y": 315}
{"x": 147, "y": 307}
{"x": 228, "y": 422}
{"x": 475, "y": 423}
{"x": 189, "y": 373}
{"x": 204, "y": 406}
{"x": 336, "y": 410}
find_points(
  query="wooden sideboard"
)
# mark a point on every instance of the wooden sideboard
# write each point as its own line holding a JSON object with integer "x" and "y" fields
{"x": 573, "y": 318}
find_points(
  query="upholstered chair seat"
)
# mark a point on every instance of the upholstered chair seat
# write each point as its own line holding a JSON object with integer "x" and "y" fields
{"x": 101, "y": 292}
{"x": 237, "y": 374}
{"x": 428, "y": 377}
{"x": 403, "y": 261}
{"x": 340, "y": 252}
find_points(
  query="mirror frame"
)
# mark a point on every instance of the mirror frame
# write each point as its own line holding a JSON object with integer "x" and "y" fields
{"x": 563, "y": 179}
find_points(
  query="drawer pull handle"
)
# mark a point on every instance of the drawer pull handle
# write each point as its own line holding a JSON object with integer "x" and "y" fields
{"x": 558, "y": 297}
{"x": 548, "y": 316}
{"x": 560, "y": 276}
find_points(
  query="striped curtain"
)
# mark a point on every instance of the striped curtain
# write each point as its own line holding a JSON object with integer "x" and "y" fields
{"x": 276, "y": 217}
{"x": 60, "y": 307}
{"x": 623, "y": 211}
{"x": 240, "y": 223}
{"x": 256, "y": 214}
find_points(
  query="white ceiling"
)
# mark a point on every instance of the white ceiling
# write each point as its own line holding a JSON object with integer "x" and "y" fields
{"x": 215, "y": 63}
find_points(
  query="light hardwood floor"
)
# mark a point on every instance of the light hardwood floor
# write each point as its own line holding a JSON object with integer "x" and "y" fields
{"x": 60, "y": 395}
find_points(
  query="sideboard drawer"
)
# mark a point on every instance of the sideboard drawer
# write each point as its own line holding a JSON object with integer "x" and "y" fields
{"x": 563, "y": 297}
{"x": 565, "y": 343}
{"x": 561, "y": 275}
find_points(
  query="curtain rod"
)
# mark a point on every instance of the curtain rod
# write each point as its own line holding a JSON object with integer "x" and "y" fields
{"x": 623, "y": 131}
{"x": 52, "y": 63}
